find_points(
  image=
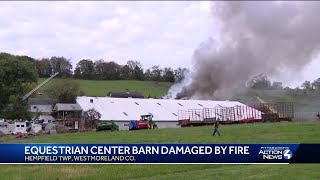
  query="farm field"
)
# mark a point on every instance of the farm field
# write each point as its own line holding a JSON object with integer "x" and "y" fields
{"x": 307, "y": 132}
{"x": 101, "y": 88}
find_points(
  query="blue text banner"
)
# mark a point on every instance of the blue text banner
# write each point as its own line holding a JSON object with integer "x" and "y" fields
{"x": 159, "y": 153}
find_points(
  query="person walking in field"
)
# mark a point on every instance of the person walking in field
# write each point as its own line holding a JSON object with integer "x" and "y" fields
{"x": 216, "y": 127}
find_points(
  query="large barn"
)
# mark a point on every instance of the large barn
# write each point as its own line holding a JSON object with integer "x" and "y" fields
{"x": 166, "y": 112}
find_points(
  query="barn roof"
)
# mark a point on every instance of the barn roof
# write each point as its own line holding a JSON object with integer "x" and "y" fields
{"x": 119, "y": 109}
{"x": 41, "y": 101}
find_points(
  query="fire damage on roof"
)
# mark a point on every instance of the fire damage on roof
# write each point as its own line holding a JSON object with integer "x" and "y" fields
{"x": 125, "y": 94}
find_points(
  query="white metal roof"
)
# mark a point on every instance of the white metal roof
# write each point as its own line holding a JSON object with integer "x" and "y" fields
{"x": 130, "y": 109}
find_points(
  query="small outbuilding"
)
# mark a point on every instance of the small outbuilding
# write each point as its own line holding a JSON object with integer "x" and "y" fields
{"x": 64, "y": 110}
{"x": 69, "y": 116}
{"x": 40, "y": 105}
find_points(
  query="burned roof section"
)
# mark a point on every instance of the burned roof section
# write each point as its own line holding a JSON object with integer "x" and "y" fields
{"x": 125, "y": 95}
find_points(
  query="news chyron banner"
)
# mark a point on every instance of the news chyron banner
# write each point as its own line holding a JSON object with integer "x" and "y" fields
{"x": 159, "y": 153}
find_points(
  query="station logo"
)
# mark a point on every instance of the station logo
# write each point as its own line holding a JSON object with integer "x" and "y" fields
{"x": 287, "y": 154}
{"x": 273, "y": 153}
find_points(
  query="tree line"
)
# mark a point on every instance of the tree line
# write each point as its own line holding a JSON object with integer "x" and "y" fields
{"x": 106, "y": 70}
{"x": 261, "y": 81}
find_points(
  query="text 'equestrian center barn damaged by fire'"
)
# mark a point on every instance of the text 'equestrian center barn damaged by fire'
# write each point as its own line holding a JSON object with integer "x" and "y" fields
{"x": 132, "y": 150}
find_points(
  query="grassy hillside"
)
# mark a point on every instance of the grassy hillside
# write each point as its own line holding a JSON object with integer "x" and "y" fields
{"x": 101, "y": 88}
{"x": 305, "y": 105}
{"x": 245, "y": 133}
{"x": 272, "y": 96}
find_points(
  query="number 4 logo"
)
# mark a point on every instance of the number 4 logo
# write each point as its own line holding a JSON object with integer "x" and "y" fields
{"x": 287, "y": 154}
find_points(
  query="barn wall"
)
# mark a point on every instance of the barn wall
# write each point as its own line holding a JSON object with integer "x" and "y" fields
{"x": 162, "y": 124}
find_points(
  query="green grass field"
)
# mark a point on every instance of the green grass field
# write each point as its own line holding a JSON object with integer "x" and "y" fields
{"x": 101, "y": 88}
{"x": 308, "y": 132}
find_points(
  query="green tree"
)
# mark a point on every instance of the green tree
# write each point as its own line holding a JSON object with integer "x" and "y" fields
{"x": 107, "y": 70}
{"x": 92, "y": 115}
{"x": 61, "y": 65}
{"x": 64, "y": 90}
{"x": 156, "y": 73}
{"x": 84, "y": 69}
{"x": 14, "y": 74}
{"x": 307, "y": 85}
{"x": 316, "y": 84}
{"x": 138, "y": 73}
{"x": 43, "y": 67}
{"x": 111, "y": 71}
{"x": 147, "y": 75}
{"x": 134, "y": 65}
{"x": 260, "y": 81}
{"x": 77, "y": 73}
{"x": 168, "y": 75}
{"x": 125, "y": 72}
{"x": 179, "y": 73}
{"x": 16, "y": 109}
{"x": 277, "y": 85}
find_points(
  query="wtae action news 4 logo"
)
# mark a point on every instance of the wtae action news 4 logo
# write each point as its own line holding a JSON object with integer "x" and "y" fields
{"x": 276, "y": 153}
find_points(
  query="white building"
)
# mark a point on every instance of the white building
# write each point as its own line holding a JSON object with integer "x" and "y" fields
{"x": 165, "y": 111}
{"x": 40, "y": 105}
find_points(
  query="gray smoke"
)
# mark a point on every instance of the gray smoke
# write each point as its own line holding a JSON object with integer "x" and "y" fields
{"x": 176, "y": 88}
{"x": 254, "y": 37}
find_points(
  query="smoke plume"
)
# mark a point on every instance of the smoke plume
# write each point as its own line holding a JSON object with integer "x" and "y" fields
{"x": 174, "y": 89}
{"x": 254, "y": 37}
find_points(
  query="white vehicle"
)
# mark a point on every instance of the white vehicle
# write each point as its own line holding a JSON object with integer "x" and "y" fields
{"x": 7, "y": 128}
{"x": 20, "y": 127}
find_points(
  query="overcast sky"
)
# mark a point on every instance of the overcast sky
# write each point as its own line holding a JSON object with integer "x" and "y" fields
{"x": 154, "y": 33}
